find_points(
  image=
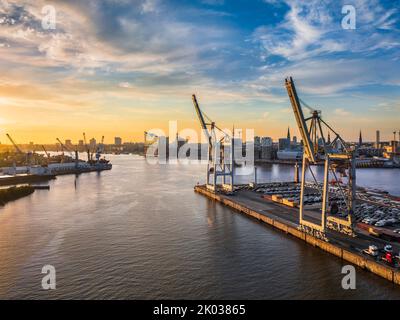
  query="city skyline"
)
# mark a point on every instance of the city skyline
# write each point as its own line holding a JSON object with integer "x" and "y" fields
{"x": 106, "y": 66}
{"x": 118, "y": 140}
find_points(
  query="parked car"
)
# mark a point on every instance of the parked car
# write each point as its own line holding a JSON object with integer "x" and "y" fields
{"x": 372, "y": 251}
{"x": 388, "y": 248}
{"x": 380, "y": 223}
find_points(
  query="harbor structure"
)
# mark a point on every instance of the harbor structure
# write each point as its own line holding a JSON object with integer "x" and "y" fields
{"x": 329, "y": 214}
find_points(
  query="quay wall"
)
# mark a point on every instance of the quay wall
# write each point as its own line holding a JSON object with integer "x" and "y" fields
{"x": 354, "y": 258}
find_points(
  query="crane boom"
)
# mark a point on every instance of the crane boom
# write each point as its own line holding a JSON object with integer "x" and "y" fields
{"x": 301, "y": 122}
{"x": 62, "y": 145}
{"x": 201, "y": 118}
{"x": 151, "y": 134}
{"x": 14, "y": 144}
{"x": 45, "y": 151}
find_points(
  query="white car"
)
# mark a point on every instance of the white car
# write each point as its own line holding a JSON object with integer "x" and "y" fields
{"x": 366, "y": 220}
{"x": 372, "y": 251}
{"x": 388, "y": 248}
{"x": 380, "y": 223}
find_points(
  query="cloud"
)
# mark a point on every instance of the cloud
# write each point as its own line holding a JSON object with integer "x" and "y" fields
{"x": 126, "y": 85}
{"x": 341, "y": 112}
{"x": 213, "y": 2}
{"x": 311, "y": 29}
{"x": 150, "y": 6}
{"x": 266, "y": 114}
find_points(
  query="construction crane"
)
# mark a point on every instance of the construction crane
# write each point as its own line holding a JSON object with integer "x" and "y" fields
{"x": 219, "y": 163}
{"x": 337, "y": 158}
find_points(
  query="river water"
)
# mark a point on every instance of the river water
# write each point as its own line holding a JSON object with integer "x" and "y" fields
{"x": 140, "y": 232}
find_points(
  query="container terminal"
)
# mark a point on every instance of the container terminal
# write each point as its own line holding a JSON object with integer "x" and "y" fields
{"x": 357, "y": 225}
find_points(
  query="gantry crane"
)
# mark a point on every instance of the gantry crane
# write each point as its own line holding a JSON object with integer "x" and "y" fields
{"x": 47, "y": 154}
{"x": 219, "y": 161}
{"x": 28, "y": 154}
{"x": 337, "y": 158}
{"x": 45, "y": 151}
{"x": 64, "y": 147}
{"x": 14, "y": 144}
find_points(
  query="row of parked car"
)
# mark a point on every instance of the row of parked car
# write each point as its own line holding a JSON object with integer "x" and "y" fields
{"x": 379, "y": 216}
{"x": 278, "y": 188}
{"x": 373, "y": 214}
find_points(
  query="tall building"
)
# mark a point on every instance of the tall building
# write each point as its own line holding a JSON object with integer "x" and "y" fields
{"x": 360, "y": 139}
{"x": 266, "y": 141}
{"x": 378, "y": 137}
{"x": 288, "y": 133}
{"x": 283, "y": 144}
{"x": 117, "y": 141}
{"x": 68, "y": 143}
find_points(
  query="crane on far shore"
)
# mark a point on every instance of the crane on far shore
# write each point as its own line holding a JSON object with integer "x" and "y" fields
{"x": 19, "y": 151}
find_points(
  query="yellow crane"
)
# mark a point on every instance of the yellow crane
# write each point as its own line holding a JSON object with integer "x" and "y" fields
{"x": 336, "y": 157}
{"x": 219, "y": 164}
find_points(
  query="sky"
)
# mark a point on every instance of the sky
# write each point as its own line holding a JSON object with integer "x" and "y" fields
{"x": 120, "y": 67}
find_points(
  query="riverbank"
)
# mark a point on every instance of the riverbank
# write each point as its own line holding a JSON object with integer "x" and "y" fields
{"x": 7, "y": 180}
{"x": 14, "y": 193}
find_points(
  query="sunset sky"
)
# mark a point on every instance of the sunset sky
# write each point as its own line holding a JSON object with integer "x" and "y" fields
{"x": 119, "y": 67}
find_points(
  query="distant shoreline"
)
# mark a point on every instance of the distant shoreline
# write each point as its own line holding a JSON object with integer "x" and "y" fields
{"x": 14, "y": 193}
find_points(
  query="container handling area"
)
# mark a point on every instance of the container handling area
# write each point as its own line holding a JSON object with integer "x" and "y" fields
{"x": 357, "y": 225}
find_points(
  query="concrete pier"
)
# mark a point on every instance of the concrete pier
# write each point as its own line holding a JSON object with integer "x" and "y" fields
{"x": 284, "y": 219}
